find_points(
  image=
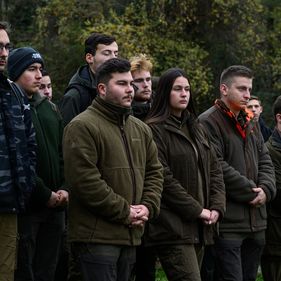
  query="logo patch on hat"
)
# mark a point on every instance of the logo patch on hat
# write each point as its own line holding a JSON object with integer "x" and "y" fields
{"x": 36, "y": 56}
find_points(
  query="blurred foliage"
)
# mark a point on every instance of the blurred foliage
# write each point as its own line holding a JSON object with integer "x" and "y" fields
{"x": 200, "y": 36}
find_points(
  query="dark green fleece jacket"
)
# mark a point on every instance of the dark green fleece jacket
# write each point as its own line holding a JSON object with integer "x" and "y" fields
{"x": 49, "y": 129}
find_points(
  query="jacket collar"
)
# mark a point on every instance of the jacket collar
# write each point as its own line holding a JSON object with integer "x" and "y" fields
{"x": 117, "y": 114}
{"x": 37, "y": 99}
{"x": 243, "y": 123}
{"x": 275, "y": 138}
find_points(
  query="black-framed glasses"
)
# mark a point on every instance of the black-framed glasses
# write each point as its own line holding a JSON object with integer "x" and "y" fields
{"x": 8, "y": 47}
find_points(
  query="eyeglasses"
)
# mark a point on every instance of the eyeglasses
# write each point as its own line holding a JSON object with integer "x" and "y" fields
{"x": 8, "y": 47}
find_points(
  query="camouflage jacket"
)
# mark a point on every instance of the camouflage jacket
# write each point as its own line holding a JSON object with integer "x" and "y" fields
{"x": 17, "y": 149}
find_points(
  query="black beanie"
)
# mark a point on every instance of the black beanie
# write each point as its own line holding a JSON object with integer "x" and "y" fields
{"x": 20, "y": 59}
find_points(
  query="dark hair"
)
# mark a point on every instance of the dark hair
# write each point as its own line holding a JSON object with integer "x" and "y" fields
{"x": 94, "y": 39}
{"x": 277, "y": 107}
{"x": 5, "y": 26}
{"x": 44, "y": 72}
{"x": 235, "y": 71}
{"x": 255, "y": 98}
{"x": 114, "y": 65}
{"x": 160, "y": 109}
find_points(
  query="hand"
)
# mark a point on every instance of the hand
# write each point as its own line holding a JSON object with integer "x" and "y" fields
{"x": 205, "y": 216}
{"x": 63, "y": 197}
{"x": 53, "y": 200}
{"x": 214, "y": 216}
{"x": 260, "y": 198}
{"x": 139, "y": 215}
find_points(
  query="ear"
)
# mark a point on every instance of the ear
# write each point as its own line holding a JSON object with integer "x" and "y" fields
{"x": 223, "y": 89}
{"x": 261, "y": 109}
{"x": 89, "y": 58}
{"x": 102, "y": 89}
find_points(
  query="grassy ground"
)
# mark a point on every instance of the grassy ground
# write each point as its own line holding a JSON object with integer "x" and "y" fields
{"x": 160, "y": 276}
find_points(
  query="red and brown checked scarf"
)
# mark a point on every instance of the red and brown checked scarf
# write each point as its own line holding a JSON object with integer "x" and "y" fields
{"x": 244, "y": 118}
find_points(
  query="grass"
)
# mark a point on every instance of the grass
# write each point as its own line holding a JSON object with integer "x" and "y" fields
{"x": 160, "y": 276}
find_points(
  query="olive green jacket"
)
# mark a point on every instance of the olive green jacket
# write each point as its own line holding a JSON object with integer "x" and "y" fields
{"x": 110, "y": 163}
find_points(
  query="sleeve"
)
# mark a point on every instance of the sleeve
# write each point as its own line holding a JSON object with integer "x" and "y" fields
{"x": 266, "y": 174}
{"x": 217, "y": 187}
{"x": 81, "y": 156}
{"x": 174, "y": 194}
{"x": 275, "y": 205}
{"x": 61, "y": 128}
{"x": 153, "y": 182}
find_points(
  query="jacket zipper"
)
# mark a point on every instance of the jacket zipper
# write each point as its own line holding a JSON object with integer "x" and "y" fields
{"x": 130, "y": 162}
{"x": 131, "y": 170}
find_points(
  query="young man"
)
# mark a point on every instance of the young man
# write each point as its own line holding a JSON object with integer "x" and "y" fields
{"x": 45, "y": 88}
{"x": 248, "y": 176}
{"x": 141, "y": 68}
{"x": 254, "y": 104}
{"x": 17, "y": 158}
{"x": 41, "y": 227}
{"x": 271, "y": 258}
{"x": 115, "y": 176}
{"x": 82, "y": 86}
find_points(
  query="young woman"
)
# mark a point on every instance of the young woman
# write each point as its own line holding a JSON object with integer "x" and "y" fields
{"x": 193, "y": 197}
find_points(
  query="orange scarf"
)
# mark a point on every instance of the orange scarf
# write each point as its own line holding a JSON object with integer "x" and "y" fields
{"x": 244, "y": 118}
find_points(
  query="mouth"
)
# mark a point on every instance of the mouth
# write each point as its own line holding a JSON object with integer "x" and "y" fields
{"x": 128, "y": 98}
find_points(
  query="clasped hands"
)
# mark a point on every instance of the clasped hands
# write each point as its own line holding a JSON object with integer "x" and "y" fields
{"x": 138, "y": 215}
{"x": 209, "y": 216}
{"x": 59, "y": 198}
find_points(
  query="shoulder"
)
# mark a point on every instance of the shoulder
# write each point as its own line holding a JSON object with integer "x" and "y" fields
{"x": 72, "y": 92}
{"x": 209, "y": 113}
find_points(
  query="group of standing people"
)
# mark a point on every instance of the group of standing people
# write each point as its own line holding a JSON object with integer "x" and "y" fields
{"x": 142, "y": 176}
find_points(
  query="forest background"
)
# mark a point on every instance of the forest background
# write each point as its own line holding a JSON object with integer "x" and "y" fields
{"x": 201, "y": 36}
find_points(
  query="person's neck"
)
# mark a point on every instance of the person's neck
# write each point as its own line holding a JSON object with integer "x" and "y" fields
{"x": 233, "y": 110}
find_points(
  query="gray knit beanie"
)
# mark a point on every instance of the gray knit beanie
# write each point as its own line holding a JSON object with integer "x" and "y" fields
{"x": 20, "y": 59}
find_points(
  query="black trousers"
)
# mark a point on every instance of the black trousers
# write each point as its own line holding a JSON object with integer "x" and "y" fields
{"x": 238, "y": 259}
{"x": 100, "y": 262}
{"x": 39, "y": 243}
{"x": 145, "y": 264}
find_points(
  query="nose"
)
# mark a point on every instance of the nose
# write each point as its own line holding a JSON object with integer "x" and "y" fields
{"x": 130, "y": 88}
{"x": 184, "y": 93}
{"x": 145, "y": 83}
{"x": 4, "y": 52}
{"x": 247, "y": 94}
{"x": 38, "y": 74}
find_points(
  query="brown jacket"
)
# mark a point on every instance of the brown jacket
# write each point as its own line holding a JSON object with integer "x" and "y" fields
{"x": 183, "y": 196}
{"x": 245, "y": 164}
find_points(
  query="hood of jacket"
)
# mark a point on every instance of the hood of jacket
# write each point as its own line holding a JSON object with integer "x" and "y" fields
{"x": 84, "y": 77}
